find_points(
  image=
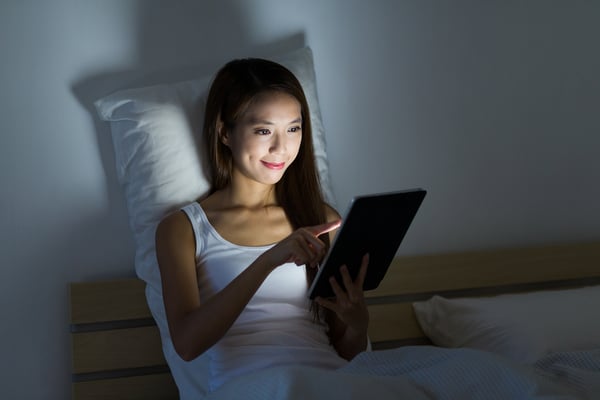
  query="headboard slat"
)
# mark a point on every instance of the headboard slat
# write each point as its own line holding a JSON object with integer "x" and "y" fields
{"x": 116, "y": 349}
{"x": 490, "y": 268}
{"x": 146, "y": 387}
{"x": 110, "y": 300}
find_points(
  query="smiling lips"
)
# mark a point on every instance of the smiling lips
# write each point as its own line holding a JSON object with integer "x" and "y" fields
{"x": 273, "y": 165}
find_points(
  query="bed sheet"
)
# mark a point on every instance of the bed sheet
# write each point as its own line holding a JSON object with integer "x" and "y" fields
{"x": 427, "y": 372}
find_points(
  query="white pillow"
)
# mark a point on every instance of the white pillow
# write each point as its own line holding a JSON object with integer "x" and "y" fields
{"x": 523, "y": 327}
{"x": 156, "y": 136}
{"x": 156, "y": 132}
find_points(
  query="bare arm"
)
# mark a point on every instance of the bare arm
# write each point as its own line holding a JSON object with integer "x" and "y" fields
{"x": 348, "y": 343}
{"x": 189, "y": 326}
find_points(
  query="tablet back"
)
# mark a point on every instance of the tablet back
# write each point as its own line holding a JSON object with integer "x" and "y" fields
{"x": 374, "y": 224}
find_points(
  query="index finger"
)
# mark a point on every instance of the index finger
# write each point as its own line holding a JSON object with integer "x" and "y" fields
{"x": 318, "y": 230}
{"x": 362, "y": 273}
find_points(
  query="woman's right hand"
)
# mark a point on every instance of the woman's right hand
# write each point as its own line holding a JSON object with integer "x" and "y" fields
{"x": 302, "y": 246}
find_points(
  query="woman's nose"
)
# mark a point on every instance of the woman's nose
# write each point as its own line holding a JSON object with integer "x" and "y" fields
{"x": 278, "y": 144}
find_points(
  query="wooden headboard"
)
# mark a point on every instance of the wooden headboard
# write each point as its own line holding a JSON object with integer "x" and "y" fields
{"x": 116, "y": 348}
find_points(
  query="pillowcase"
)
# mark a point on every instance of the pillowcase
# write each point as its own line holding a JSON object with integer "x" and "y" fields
{"x": 156, "y": 133}
{"x": 159, "y": 162}
{"x": 523, "y": 327}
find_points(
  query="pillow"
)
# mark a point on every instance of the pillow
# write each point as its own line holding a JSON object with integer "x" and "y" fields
{"x": 155, "y": 132}
{"x": 159, "y": 162}
{"x": 523, "y": 327}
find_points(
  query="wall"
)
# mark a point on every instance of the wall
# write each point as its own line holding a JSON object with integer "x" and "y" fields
{"x": 488, "y": 105}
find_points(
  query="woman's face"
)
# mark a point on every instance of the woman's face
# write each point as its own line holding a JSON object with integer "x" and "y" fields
{"x": 267, "y": 137}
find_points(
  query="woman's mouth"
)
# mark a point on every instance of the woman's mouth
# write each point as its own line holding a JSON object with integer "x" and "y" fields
{"x": 271, "y": 165}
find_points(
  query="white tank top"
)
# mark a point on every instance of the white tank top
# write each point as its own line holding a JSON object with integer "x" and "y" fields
{"x": 276, "y": 327}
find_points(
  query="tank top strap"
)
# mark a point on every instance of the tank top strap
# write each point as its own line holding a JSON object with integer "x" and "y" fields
{"x": 198, "y": 219}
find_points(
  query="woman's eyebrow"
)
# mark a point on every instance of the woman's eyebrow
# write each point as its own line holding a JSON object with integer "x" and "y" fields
{"x": 254, "y": 121}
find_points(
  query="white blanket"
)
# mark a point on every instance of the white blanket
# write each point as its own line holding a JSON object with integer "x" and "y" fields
{"x": 427, "y": 372}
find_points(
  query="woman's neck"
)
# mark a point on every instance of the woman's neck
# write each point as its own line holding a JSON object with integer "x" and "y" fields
{"x": 252, "y": 197}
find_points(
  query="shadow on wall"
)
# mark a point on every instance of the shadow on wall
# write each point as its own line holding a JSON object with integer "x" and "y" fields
{"x": 176, "y": 42}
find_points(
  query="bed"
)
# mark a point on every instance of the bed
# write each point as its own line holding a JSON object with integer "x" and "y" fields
{"x": 498, "y": 323}
{"x": 117, "y": 351}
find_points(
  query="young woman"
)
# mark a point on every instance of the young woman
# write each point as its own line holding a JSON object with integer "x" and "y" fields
{"x": 235, "y": 266}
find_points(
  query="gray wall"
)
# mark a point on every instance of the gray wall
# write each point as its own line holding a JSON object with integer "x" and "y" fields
{"x": 488, "y": 105}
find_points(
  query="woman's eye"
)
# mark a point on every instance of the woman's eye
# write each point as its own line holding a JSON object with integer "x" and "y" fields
{"x": 295, "y": 129}
{"x": 262, "y": 131}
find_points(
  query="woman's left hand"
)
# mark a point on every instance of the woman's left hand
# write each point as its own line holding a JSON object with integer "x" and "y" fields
{"x": 349, "y": 304}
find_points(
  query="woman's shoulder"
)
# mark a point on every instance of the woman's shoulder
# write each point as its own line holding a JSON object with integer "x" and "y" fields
{"x": 331, "y": 214}
{"x": 174, "y": 222}
{"x": 179, "y": 221}
{"x": 212, "y": 202}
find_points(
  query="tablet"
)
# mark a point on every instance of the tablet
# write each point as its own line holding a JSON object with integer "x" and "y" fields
{"x": 374, "y": 224}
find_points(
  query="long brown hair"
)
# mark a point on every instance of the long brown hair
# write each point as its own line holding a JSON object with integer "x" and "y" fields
{"x": 233, "y": 88}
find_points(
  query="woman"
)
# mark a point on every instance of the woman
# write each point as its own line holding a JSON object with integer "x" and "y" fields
{"x": 235, "y": 266}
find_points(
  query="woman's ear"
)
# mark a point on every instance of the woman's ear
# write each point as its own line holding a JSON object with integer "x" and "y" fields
{"x": 222, "y": 132}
